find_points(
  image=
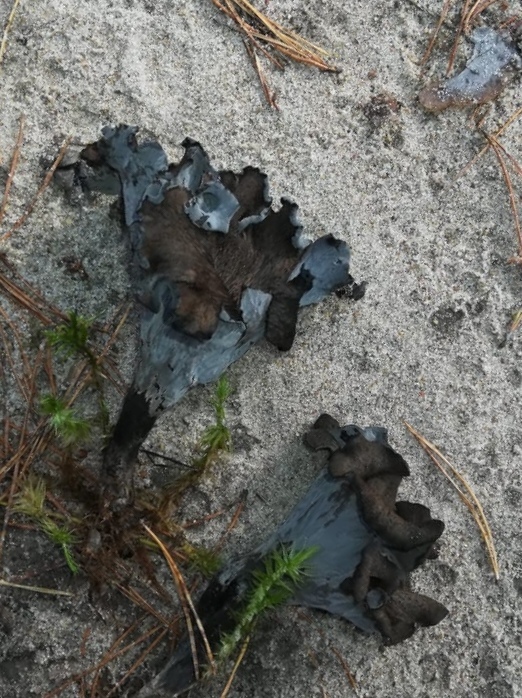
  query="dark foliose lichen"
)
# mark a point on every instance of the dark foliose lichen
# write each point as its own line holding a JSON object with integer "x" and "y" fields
{"x": 366, "y": 545}
{"x": 219, "y": 269}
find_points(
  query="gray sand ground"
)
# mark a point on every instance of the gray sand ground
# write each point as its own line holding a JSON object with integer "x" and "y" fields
{"x": 422, "y": 346}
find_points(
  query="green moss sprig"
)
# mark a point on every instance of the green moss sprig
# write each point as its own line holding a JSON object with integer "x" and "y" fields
{"x": 67, "y": 426}
{"x": 283, "y": 570}
{"x": 30, "y": 501}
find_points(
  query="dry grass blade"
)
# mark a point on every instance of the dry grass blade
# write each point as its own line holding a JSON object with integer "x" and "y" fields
{"x": 236, "y": 666}
{"x": 465, "y": 492}
{"x": 7, "y": 29}
{"x": 40, "y": 191}
{"x": 186, "y": 603}
{"x": 433, "y": 39}
{"x": 38, "y": 590}
{"x": 12, "y": 169}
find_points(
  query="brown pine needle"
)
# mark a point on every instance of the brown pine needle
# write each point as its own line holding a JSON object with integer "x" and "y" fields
{"x": 346, "y": 669}
{"x": 107, "y": 658}
{"x": 484, "y": 150}
{"x": 236, "y": 666}
{"x": 186, "y": 604}
{"x": 477, "y": 9}
{"x": 7, "y": 29}
{"x": 134, "y": 596}
{"x": 257, "y": 28}
{"x": 31, "y": 300}
{"x": 351, "y": 679}
{"x": 269, "y": 94}
{"x": 12, "y": 169}
{"x": 460, "y": 29}
{"x": 465, "y": 492}
{"x": 40, "y": 191}
{"x": 433, "y": 39}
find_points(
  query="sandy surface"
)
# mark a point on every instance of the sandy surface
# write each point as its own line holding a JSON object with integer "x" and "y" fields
{"x": 424, "y": 345}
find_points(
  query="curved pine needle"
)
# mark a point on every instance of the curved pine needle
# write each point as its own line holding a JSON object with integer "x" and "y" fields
{"x": 465, "y": 492}
{"x": 186, "y": 603}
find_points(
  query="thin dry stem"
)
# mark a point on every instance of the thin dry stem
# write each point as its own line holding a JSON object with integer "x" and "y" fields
{"x": 10, "y": 20}
{"x": 467, "y": 494}
{"x": 38, "y": 590}
{"x": 236, "y": 666}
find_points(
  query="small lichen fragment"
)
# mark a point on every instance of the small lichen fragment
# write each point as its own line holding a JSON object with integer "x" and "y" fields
{"x": 482, "y": 79}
